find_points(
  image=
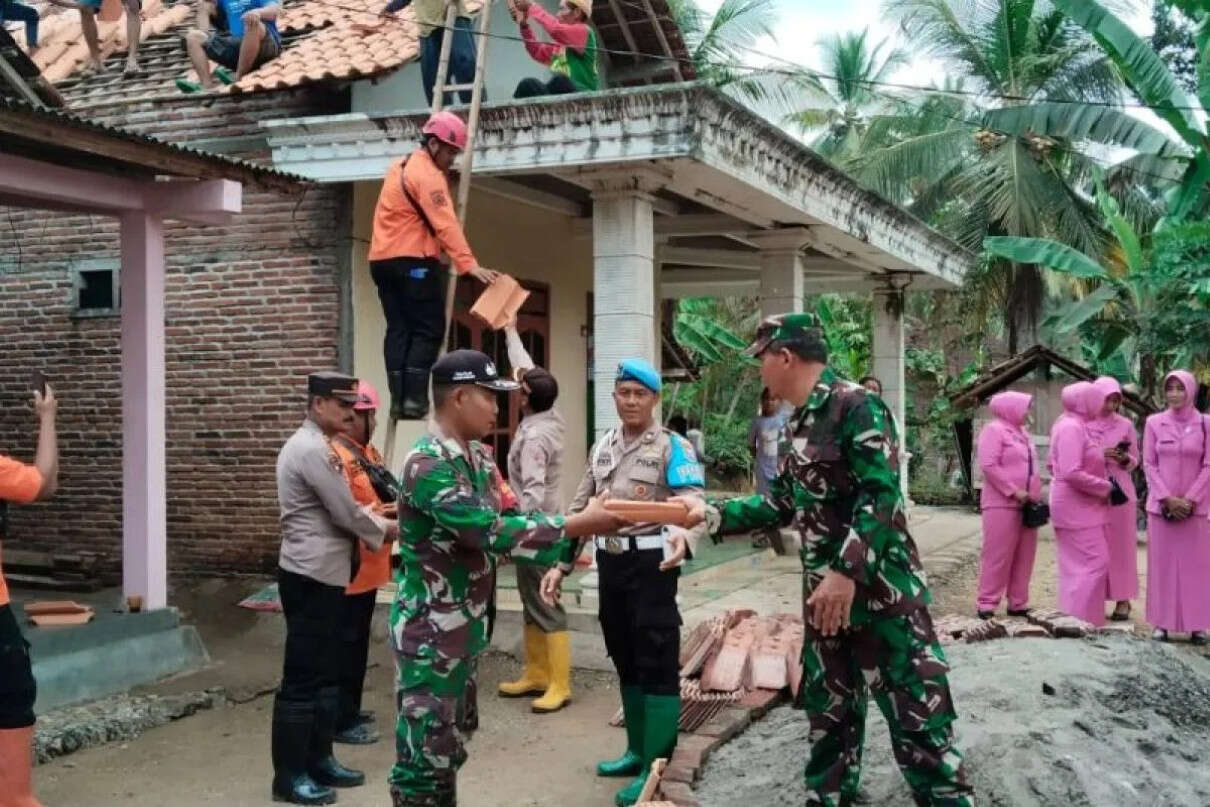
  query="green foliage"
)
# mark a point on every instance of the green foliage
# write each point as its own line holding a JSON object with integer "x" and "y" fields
{"x": 1178, "y": 280}
{"x": 1050, "y": 254}
{"x": 727, "y": 445}
{"x": 847, "y": 324}
{"x": 696, "y": 329}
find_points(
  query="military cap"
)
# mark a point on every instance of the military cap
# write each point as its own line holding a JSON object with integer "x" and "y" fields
{"x": 333, "y": 385}
{"x": 470, "y": 367}
{"x": 801, "y": 331}
{"x": 640, "y": 371}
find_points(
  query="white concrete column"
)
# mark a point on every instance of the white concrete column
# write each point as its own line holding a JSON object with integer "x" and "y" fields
{"x": 889, "y": 364}
{"x": 144, "y": 489}
{"x": 781, "y": 269}
{"x": 624, "y": 283}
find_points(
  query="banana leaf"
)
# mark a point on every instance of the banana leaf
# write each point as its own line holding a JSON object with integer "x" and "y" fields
{"x": 1127, "y": 237}
{"x": 1080, "y": 311}
{"x": 1100, "y": 124}
{"x": 1142, "y": 68}
{"x": 1043, "y": 252}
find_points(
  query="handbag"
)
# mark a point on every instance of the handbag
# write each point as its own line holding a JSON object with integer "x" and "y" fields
{"x": 1117, "y": 496}
{"x": 1033, "y": 514}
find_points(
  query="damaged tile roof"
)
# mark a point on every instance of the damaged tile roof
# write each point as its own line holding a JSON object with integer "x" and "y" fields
{"x": 322, "y": 41}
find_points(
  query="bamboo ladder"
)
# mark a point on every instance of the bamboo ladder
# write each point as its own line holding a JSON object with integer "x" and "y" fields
{"x": 468, "y": 154}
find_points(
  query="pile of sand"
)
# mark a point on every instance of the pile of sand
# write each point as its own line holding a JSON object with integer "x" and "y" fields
{"x": 1128, "y": 723}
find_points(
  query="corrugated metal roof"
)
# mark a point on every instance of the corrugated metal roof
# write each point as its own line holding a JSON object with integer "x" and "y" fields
{"x": 64, "y": 139}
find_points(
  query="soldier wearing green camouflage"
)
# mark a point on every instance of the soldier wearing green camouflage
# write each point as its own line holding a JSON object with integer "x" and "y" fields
{"x": 868, "y": 628}
{"x": 451, "y": 524}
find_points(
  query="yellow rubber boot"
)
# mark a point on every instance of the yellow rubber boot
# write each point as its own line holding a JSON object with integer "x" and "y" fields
{"x": 558, "y": 664}
{"x": 535, "y": 677}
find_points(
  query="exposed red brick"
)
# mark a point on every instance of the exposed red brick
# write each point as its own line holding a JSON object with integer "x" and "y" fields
{"x": 250, "y": 308}
{"x": 726, "y": 724}
{"x": 760, "y": 701}
{"x": 680, "y": 794}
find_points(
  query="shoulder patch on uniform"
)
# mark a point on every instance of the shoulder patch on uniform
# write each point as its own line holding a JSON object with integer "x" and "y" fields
{"x": 439, "y": 198}
{"x": 683, "y": 469}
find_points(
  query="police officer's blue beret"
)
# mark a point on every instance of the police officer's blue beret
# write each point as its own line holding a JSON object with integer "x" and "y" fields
{"x": 641, "y": 371}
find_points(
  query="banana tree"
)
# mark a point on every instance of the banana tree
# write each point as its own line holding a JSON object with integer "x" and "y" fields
{"x": 1180, "y": 167}
{"x": 1117, "y": 296}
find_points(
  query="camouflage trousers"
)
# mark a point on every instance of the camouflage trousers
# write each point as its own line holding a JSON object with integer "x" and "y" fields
{"x": 899, "y": 661}
{"x": 429, "y": 748}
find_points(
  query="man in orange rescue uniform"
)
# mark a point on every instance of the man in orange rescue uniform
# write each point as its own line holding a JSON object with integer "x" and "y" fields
{"x": 22, "y": 483}
{"x": 371, "y": 483}
{"x": 414, "y": 222}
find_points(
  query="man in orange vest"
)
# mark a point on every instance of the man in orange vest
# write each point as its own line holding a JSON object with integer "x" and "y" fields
{"x": 22, "y": 483}
{"x": 414, "y": 223}
{"x": 371, "y": 484}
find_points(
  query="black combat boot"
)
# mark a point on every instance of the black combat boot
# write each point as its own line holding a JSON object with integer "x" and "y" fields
{"x": 415, "y": 394}
{"x": 321, "y": 765}
{"x": 395, "y": 384}
{"x": 292, "y": 724}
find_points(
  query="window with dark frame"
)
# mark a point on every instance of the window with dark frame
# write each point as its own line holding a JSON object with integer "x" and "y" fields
{"x": 95, "y": 288}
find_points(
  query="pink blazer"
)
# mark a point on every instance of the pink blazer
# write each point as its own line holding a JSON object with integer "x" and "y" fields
{"x": 1080, "y": 487}
{"x": 1176, "y": 460}
{"x": 1114, "y": 429}
{"x": 1006, "y": 452}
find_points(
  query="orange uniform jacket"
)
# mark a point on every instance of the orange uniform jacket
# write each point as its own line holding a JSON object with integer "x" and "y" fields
{"x": 18, "y": 483}
{"x": 399, "y": 232}
{"x": 375, "y": 568}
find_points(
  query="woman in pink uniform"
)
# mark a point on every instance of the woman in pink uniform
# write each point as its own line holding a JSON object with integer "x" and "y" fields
{"x": 1176, "y": 460}
{"x": 1120, "y": 444}
{"x": 1079, "y": 505}
{"x": 1010, "y": 472}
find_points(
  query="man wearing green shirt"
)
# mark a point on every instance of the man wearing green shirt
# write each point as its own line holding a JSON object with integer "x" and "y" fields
{"x": 868, "y": 629}
{"x": 572, "y": 53}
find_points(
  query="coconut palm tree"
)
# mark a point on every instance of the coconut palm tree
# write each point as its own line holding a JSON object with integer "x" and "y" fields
{"x": 722, "y": 47}
{"x": 850, "y": 94}
{"x": 976, "y": 180}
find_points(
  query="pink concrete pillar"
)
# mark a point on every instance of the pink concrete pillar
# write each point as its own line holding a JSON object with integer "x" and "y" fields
{"x": 144, "y": 489}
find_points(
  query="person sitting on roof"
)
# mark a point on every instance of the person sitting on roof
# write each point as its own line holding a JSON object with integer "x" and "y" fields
{"x": 134, "y": 24}
{"x": 573, "y": 55}
{"x": 246, "y": 38}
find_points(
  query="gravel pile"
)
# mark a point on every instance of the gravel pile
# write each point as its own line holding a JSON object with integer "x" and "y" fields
{"x": 1099, "y": 721}
{"x": 117, "y": 719}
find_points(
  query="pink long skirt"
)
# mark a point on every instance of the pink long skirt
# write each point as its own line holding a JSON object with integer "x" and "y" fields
{"x": 1123, "y": 552}
{"x": 1083, "y": 572}
{"x": 1006, "y": 561}
{"x": 1178, "y": 573}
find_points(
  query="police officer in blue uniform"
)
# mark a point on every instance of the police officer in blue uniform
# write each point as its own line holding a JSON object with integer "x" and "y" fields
{"x": 639, "y": 567}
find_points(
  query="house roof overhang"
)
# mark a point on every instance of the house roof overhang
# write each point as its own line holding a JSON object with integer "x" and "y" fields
{"x": 717, "y": 167}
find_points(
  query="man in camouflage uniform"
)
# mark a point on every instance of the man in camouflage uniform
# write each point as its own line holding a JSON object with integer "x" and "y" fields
{"x": 868, "y": 627}
{"x": 639, "y": 567}
{"x": 450, "y": 522}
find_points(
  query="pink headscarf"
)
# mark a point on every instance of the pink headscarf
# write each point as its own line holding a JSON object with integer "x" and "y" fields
{"x": 1091, "y": 402}
{"x": 1103, "y": 423}
{"x": 1010, "y": 406}
{"x": 1190, "y": 384}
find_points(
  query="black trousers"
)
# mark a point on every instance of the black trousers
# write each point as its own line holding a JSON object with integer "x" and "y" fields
{"x": 314, "y": 614}
{"x": 640, "y": 620}
{"x": 412, "y": 292}
{"x": 532, "y": 87}
{"x": 17, "y": 688}
{"x": 354, "y": 654}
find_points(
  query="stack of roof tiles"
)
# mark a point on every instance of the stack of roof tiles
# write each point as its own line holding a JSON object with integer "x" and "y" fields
{"x": 732, "y": 654}
{"x": 323, "y": 40}
{"x": 1037, "y": 623}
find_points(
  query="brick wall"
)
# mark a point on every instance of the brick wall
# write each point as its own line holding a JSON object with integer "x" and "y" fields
{"x": 250, "y": 309}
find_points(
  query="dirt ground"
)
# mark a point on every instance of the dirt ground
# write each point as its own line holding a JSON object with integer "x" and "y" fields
{"x": 1128, "y": 723}
{"x": 518, "y": 759}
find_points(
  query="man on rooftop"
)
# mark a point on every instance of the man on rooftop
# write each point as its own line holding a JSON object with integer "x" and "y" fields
{"x": 246, "y": 38}
{"x": 572, "y": 57}
{"x": 134, "y": 24}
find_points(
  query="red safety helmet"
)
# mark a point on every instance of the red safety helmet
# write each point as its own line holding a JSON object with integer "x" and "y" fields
{"x": 367, "y": 397}
{"x": 448, "y": 128}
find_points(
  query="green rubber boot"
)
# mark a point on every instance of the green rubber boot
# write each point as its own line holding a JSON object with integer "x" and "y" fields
{"x": 631, "y": 762}
{"x": 661, "y": 714}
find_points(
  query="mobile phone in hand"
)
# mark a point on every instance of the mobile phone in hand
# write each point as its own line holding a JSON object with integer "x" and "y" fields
{"x": 38, "y": 383}
{"x": 1124, "y": 446}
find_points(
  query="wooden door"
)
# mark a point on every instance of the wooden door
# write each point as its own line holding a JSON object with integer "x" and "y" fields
{"x": 533, "y": 324}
